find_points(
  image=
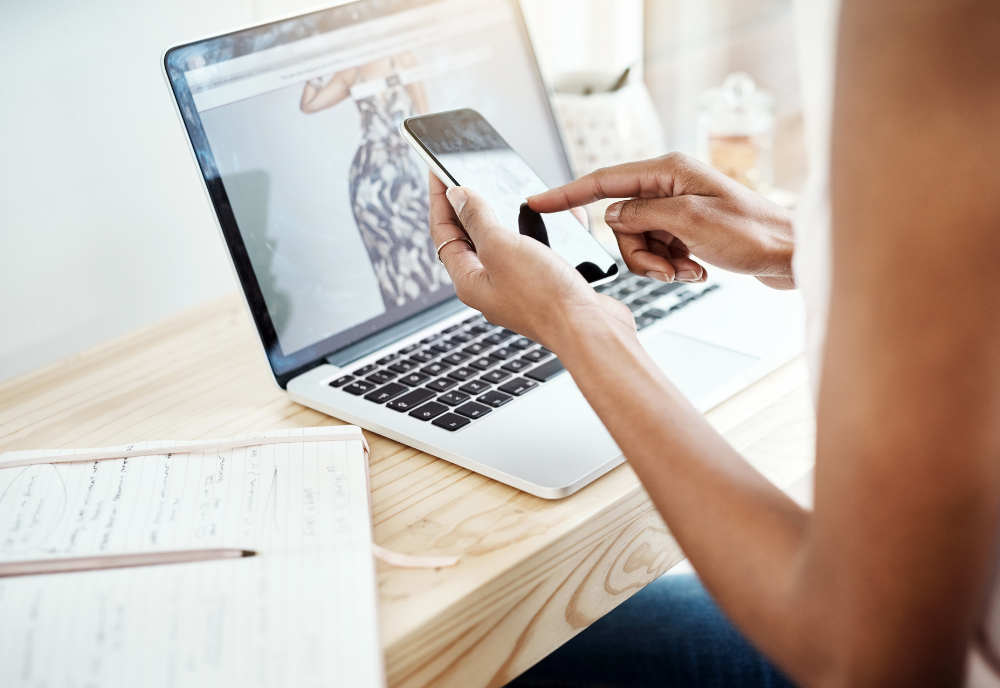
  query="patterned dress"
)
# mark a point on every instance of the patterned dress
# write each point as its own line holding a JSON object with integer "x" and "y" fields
{"x": 390, "y": 200}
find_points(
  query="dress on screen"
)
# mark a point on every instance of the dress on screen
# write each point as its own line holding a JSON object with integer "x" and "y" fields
{"x": 389, "y": 196}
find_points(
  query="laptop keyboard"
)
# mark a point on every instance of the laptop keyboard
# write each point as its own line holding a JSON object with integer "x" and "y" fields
{"x": 648, "y": 298}
{"x": 466, "y": 371}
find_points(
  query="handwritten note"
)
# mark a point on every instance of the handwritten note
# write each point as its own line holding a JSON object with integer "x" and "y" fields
{"x": 302, "y": 613}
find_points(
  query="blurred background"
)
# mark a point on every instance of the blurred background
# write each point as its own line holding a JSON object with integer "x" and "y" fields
{"x": 104, "y": 225}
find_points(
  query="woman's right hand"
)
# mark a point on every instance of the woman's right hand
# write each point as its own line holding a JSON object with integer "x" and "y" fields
{"x": 679, "y": 208}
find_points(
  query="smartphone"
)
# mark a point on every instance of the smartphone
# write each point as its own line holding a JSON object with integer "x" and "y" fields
{"x": 462, "y": 149}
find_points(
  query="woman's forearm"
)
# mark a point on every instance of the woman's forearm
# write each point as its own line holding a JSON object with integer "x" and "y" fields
{"x": 741, "y": 533}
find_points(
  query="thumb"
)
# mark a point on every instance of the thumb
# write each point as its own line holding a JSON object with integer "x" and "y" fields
{"x": 478, "y": 219}
{"x": 640, "y": 215}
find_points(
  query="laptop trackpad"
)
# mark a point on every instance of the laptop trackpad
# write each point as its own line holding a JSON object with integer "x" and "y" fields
{"x": 696, "y": 367}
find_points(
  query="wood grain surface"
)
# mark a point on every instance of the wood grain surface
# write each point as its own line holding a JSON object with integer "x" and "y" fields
{"x": 533, "y": 573}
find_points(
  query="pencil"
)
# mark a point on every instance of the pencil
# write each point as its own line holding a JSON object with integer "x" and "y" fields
{"x": 117, "y": 561}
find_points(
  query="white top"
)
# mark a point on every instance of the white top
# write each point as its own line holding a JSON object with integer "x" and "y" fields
{"x": 817, "y": 22}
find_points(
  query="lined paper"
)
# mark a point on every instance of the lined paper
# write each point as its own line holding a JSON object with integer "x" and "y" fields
{"x": 302, "y": 613}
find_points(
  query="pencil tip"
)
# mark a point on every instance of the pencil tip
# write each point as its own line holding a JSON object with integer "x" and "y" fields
{"x": 249, "y": 553}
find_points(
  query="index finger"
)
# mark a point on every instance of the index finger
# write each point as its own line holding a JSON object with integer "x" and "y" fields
{"x": 620, "y": 181}
{"x": 643, "y": 179}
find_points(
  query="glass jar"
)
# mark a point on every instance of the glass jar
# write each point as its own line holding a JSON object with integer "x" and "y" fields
{"x": 736, "y": 131}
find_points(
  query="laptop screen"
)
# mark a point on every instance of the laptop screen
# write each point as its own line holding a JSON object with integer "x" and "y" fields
{"x": 323, "y": 205}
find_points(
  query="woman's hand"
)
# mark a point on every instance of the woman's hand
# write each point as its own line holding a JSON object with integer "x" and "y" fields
{"x": 514, "y": 280}
{"x": 680, "y": 208}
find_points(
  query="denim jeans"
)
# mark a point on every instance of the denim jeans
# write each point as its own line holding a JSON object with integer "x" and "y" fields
{"x": 668, "y": 635}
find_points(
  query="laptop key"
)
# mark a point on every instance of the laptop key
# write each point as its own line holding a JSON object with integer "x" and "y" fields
{"x": 430, "y": 410}
{"x": 409, "y": 349}
{"x": 359, "y": 387}
{"x": 497, "y": 338}
{"x": 516, "y": 366}
{"x": 546, "y": 371}
{"x": 475, "y": 386}
{"x": 402, "y": 366}
{"x": 495, "y": 376}
{"x": 454, "y": 358}
{"x": 387, "y": 359}
{"x": 473, "y": 319}
{"x": 410, "y": 401}
{"x": 435, "y": 368}
{"x": 463, "y": 374}
{"x": 643, "y": 321}
{"x": 423, "y": 356}
{"x": 380, "y": 377}
{"x": 655, "y": 313}
{"x": 428, "y": 340}
{"x": 462, "y": 337}
{"x": 481, "y": 328}
{"x": 502, "y": 353}
{"x": 442, "y": 384}
{"x": 387, "y": 393}
{"x": 521, "y": 344}
{"x": 453, "y": 398}
{"x": 364, "y": 371}
{"x": 445, "y": 346}
{"x": 517, "y": 386}
{"x": 414, "y": 379}
{"x": 494, "y": 399}
{"x": 665, "y": 289}
{"x": 342, "y": 380}
{"x": 483, "y": 363}
{"x": 473, "y": 410}
{"x": 451, "y": 422}
{"x": 475, "y": 349}
{"x": 539, "y": 354}
{"x": 449, "y": 330}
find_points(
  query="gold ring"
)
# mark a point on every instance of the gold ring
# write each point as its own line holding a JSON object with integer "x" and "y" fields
{"x": 465, "y": 239}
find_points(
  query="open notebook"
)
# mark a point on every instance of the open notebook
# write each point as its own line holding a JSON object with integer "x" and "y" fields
{"x": 301, "y": 613}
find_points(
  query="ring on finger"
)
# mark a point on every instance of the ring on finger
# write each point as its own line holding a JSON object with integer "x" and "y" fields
{"x": 465, "y": 239}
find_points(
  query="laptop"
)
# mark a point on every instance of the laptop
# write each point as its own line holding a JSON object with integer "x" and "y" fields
{"x": 323, "y": 207}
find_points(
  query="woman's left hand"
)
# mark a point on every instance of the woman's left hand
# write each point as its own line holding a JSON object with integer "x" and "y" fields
{"x": 514, "y": 280}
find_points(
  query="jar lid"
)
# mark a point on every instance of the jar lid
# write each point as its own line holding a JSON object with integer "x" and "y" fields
{"x": 738, "y": 106}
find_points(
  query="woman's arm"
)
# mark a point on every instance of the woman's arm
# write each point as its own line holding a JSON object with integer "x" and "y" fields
{"x": 337, "y": 89}
{"x": 416, "y": 89}
{"x": 908, "y": 469}
{"x": 882, "y": 584}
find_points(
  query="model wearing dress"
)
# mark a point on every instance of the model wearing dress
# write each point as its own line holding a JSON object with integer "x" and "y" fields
{"x": 389, "y": 198}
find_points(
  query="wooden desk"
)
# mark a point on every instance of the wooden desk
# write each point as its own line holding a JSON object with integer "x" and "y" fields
{"x": 533, "y": 572}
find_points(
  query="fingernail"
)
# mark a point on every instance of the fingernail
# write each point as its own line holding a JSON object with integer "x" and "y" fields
{"x": 660, "y": 276}
{"x": 689, "y": 275}
{"x": 457, "y": 196}
{"x": 613, "y": 211}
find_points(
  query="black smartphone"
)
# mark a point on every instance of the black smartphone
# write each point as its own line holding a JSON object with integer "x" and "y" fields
{"x": 462, "y": 149}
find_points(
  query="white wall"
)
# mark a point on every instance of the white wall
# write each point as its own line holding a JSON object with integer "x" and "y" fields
{"x": 103, "y": 222}
{"x": 603, "y": 36}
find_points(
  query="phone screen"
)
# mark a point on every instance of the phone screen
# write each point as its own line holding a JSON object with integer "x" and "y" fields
{"x": 473, "y": 154}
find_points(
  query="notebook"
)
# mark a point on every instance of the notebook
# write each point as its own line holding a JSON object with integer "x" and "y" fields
{"x": 301, "y": 613}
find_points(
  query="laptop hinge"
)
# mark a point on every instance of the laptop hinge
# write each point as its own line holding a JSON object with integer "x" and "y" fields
{"x": 392, "y": 334}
